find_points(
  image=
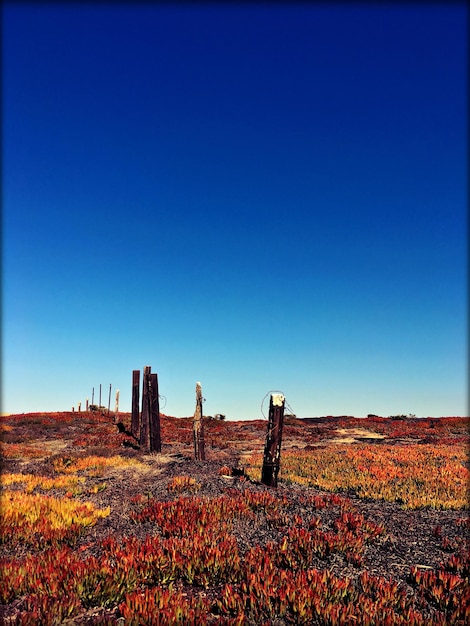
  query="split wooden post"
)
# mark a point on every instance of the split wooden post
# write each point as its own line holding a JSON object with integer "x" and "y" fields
{"x": 145, "y": 422}
{"x": 198, "y": 427}
{"x": 154, "y": 414}
{"x": 135, "y": 403}
{"x": 272, "y": 450}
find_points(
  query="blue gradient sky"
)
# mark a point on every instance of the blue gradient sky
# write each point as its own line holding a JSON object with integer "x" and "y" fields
{"x": 268, "y": 197}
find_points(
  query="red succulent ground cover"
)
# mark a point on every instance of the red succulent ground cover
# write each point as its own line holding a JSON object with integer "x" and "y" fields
{"x": 96, "y": 530}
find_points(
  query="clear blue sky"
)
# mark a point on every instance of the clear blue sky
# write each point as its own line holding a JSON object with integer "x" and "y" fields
{"x": 257, "y": 197}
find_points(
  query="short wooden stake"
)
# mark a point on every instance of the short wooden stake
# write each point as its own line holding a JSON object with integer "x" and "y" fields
{"x": 198, "y": 427}
{"x": 135, "y": 427}
{"x": 272, "y": 450}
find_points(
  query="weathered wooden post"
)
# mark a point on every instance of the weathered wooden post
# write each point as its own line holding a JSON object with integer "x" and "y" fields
{"x": 116, "y": 404}
{"x": 145, "y": 421}
{"x": 198, "y": 427}
{"x": 87, "y": 404}
{"x": 272, "y": 449}
{"x": 135, "y": 423}
{"x": 155, "y": 437}
{"x": 79, "y": 407}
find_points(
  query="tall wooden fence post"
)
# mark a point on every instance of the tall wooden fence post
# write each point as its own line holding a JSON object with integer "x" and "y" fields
{"x": 272, "y": 449}
{"x": 135, "y": 427}
{"x": 116, "y": 404}
{"x": 198, "y": 427}
{"x": 155, "y": 437}
{"x": 145, "y": 422}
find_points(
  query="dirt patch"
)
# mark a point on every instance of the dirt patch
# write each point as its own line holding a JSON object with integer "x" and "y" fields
{"x": 54, "y": 446}
{"x": 352, "y": 435}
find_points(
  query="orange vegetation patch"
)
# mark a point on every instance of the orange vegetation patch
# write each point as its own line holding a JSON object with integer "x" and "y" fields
{"x": 414, "y": 475}
{"x": 36, "y": 518}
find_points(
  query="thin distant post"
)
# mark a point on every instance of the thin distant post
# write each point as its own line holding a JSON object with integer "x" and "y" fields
{"x": 93, "y": 396}
{"x": 198, "y": 427}
{"x": 135, "y": 403}
{"x": 272, "y": 450}
{"x": 109, "y": 399}
{"x": 145, "y": 424}
{"x": 155, "y": 436}
{"x": 100, "y": 398}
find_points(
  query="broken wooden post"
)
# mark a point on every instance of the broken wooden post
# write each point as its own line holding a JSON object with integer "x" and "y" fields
{"x": 272, "y": 449}
{"x": 135, "y": 424}
{"x": 198, "y": 427}
{"x": 155, "y": 438}
{"x": 79, "y": 407}
{"x": 145, "y": 421}
{"x": 87, "y": 405}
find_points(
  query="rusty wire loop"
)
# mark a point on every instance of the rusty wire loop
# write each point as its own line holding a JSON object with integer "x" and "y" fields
{"x": 286, "y": 404}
